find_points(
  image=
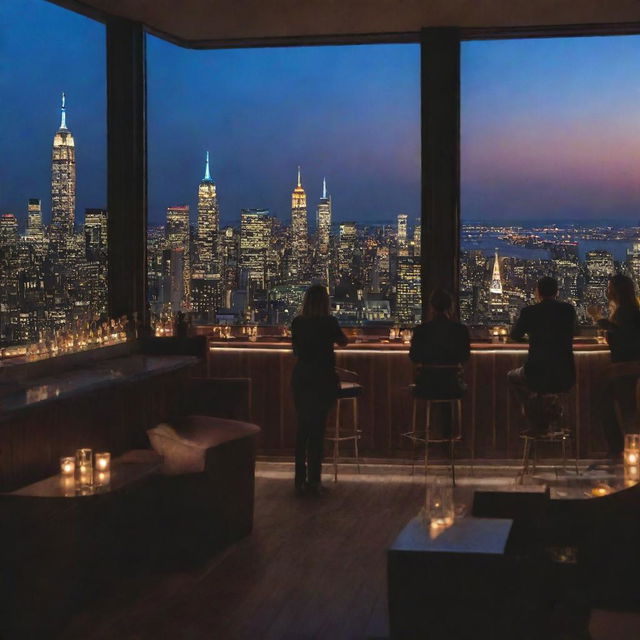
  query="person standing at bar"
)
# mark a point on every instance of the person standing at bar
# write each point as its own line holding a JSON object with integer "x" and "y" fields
{"x": 314, "y": 382}
{"x": 623, "y": 336}
{"x": 550, "y": 367}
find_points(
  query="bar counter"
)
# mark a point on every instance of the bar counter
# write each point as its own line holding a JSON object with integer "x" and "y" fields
{"x": 491, "y": 420}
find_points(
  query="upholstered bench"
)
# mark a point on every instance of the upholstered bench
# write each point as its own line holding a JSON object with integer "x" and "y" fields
{"x": 206, "y": 485}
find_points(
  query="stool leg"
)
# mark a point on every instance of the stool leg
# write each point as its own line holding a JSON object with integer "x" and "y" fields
{"x": 534, "y": 445}
{"x": 335, "y": 443}
{"x": 574, "y": 450}
{"x": 355, "y": 431}
{"x": 564, "y": 454}
{"x": 525, "y": 460}
{"x": 413, "y": 435}
{"x": 427, "y": 434}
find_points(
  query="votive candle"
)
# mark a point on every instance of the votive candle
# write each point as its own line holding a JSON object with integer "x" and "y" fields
{"x": 103, "y": 461}
{"x": 67, "y": 466}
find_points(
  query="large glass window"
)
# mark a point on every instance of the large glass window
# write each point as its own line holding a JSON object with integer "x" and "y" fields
{"x": 550, "y": 154}
{"x": 53, "y": 235}
{"x": 271, "y": 169}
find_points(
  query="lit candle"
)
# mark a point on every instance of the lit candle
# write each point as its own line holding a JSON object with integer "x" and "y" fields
{"x": 103, "y": 461}
{"x": 631, "y": 449}
{"x": 67, "y": 466}
{"x": 600, "y": 491}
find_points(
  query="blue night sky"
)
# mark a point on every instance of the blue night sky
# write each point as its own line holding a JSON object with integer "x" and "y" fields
{"x": 550, "y": 128}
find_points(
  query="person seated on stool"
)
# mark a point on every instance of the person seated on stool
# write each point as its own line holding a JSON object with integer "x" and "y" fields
{"x": 623, "y": 337}
{"x": 550, "y": 367}
{"x": 441, "y": 341}
{"x": 314, "y": 383}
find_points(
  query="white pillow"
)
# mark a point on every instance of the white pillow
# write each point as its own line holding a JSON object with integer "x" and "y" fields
{"x": 180, "y": 455}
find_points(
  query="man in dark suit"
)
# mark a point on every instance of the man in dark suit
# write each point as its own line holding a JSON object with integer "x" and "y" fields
{"x": 550, "y": 326}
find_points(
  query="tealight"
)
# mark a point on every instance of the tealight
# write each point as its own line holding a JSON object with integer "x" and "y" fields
{"x": 67, "y": 466}
{"x": 103, "y": 461}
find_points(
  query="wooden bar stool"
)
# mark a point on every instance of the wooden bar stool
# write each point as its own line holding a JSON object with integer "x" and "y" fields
{"x": 551, "y": 418}
{"x": 350, "y": 391}
{"x": 424, "y": 436}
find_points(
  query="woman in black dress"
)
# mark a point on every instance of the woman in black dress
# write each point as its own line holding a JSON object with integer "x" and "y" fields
{"x": 314, "y": 382}
{"x": 623, "y": 337}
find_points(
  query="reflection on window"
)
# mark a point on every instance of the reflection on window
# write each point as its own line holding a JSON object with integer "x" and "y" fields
{"x": 549, "y": 171}
{"x": 300, "y": 174}
{"x": 53, "y": 259}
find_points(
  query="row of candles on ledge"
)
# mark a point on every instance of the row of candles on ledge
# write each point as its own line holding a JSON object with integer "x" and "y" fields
{"x": 85, "y": 472}
{"x": 89, "y": 336}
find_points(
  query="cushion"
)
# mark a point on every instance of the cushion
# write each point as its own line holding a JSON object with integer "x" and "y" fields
{"x": 350, "y": 390}
{"x": 184, "y": 447}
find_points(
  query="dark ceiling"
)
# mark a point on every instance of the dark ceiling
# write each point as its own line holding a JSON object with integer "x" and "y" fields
{"x": 202, "y": 23}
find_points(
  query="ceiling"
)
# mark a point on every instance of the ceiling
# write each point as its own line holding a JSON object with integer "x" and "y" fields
{"x": 202, "y": 23}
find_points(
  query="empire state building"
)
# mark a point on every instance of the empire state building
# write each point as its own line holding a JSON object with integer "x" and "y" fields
{"x": 63, "y": 181}
{"x": 299, "y": 231}
{"x": 208, "y": 224}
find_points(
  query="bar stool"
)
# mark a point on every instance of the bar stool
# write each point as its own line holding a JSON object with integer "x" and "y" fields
{"x": 350, "y": 391}
{"x": 551, "y": 418}
{"x": 455, "y": 407}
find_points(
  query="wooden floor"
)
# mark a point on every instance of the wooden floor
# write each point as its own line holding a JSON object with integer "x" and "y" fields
{"x": 313, "y": 568}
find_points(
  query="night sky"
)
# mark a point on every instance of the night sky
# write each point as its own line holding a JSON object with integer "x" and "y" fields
{"x": 550, "y": 128}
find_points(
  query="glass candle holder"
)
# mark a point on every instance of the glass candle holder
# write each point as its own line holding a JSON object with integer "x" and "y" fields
{"x": 103, "y": 461}
{"x": 632, "y": 449}
{"x": 102, "y": 478}
{"x": 84, "y": 460}
{"x": 439, "y": 508}
{"x": 67, "y": 466}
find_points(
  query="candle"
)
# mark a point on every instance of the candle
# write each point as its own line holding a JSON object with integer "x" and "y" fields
{"x": 83, "y": 460}
{"x": 103, "y": 461}
{"x": 600, "y": 491}
{"x": 103, "y": 478}
{"x": 631, "y": 449}
{"x": 67, "y": 466}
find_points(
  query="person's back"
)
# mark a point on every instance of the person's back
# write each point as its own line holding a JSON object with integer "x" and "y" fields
{"x": 313, "y": 339}
{"x": 441, "y": 341}
{"x": 550, "y": 326}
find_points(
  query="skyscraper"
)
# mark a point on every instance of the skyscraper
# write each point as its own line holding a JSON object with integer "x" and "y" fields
{"x": 63, "y": 182}
{"x": 8, "y": 229}
{"x": 497, "y": 305}
{"x": 255, "y": 238}
{"x": 208, "y": 225}
{"x": 408, "y": 302}
{"x": 403, "y": 248}
{"x": 299, "y": 232}
{"x": 34, "y": 218}
{"x": 323, "y": 221}
{"x": 177, "y": 235}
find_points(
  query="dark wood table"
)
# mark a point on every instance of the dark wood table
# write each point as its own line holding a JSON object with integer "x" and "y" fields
{"x": 63, "y": 545}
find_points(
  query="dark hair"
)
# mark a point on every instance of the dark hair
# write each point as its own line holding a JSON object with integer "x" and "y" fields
{"x": 441, "y": 301}
{"x": 316, "y": 301}
{"x": 623, "y": 291}
{"x": 547, "y": 287}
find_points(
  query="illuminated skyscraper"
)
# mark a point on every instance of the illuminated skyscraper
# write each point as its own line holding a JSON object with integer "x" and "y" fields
{"x": 323, "y": 221}
{"x": 496, "y": 279}
{"x": 299, "y": 232}
{"x": 34, "y": 218}
{"x": 497, "y": 304}
{"x": 177, "y": 236}
{"x": 417, "y": 240}
{"x": 408, "y": 301}
{"x": 255, "y": 238}
{"x": 95, "y": 234}
{"x": 8, "y": 229}
{"x": 403, "y": 248}
{"x": 348, "y": 238}
{"x": 600, "y": 267}
{"x": 208, "y": 225}
{"x": 63, "y": 182}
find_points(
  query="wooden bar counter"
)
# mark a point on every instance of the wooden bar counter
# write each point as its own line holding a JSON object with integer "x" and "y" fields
{"x": 491, "y": 421}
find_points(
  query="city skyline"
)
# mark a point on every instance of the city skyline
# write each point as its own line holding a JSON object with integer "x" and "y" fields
{"x": 537, "y": 140}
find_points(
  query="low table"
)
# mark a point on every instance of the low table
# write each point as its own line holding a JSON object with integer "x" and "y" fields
{"x": 65, "y": 544}
{"x": 447, "y": 582}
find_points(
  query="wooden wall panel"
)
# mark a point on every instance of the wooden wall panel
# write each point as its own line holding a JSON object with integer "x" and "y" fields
{"x": 492, "y": 421}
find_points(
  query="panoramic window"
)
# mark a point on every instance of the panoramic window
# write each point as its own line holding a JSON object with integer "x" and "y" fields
{"x": 53, "y": 234}
{"x": 550, "y": 149}
{"x": 272, "y": 169}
